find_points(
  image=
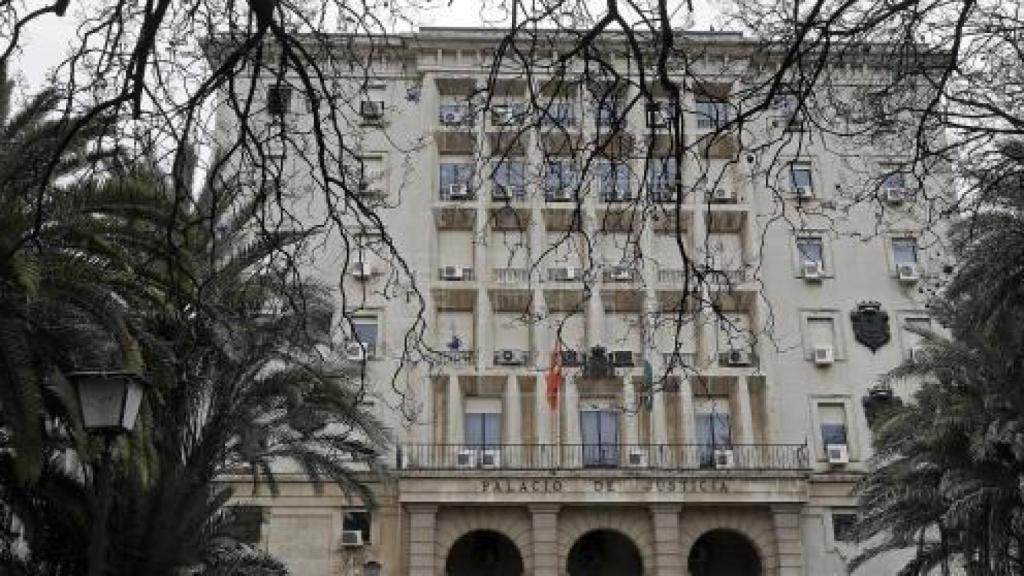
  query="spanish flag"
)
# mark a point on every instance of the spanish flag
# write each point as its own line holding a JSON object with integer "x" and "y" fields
{"x": 555, "y": 376}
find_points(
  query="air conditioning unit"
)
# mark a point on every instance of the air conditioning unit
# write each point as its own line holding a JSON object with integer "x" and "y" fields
{"x": 490, "y": 459}
{"x": 510, "y": 357}
{"x": 465, "y": 459}
{"x": 458, "y": 192}
{"x": 914, "y": 353}
{"x": 907, "y": 272}
{"x": 721, "y": 195}
{"x": 824, "y": 355}
{"x": 371, "y": 109}
{"x": 736, "y": 358}
{"x": 560, "y": 194}
{"x": 657, "y": 116}
{"x": 501, "y": 192}
{"x": 803, "y": 192}
{"x": 621, "y": 357}
{"x": 351, "y": 538}
{"x": 837, "y": 454}
{"x": 895, "y": 195}
{"x": 504, "y": 115}
{"x": 571, "y": 358}
{"x": 361, "y": 270}
{"x": 453, "y": 272}
{"x": 568, "y": 274}
{"x": 724, "y": 459}
{"x": 637, "y": 458}
{"x": 811, "y": 270}
{"x": 621, "y": 274}
{"x": 355, "y": 351}
{"x": 452, "y": 117}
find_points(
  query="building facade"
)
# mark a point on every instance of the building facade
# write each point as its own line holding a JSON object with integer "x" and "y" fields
{"x": 651, "y": 342}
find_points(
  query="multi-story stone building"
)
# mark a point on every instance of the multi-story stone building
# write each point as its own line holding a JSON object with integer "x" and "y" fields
{"x": 724, "y": 426}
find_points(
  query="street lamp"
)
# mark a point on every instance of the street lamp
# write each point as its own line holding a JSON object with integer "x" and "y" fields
{"x": 109, "y": 402}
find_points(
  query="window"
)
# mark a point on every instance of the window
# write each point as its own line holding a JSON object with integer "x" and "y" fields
{"x": 482, "y": 423}
{"x": 454, "y": 113}
{"x": 513, "y": 113}
{"x": 788, "y": 107}
{"x": 833, "y": 424}
{"x": 357, "y": 520}
{"x": 614, "y": 179}
{"x": 714, "y": 428}
{"x": 371, "y": 110}
{"x": 560, "y": 114}
{"x": 712, "y": 114}
{"x": 800, "y": 181}
{"x": 904, "y": 251}
{"x": 660, "y": 115}
{"x": 661, "y": 178}
{"x": 811, "y": 249}
{"x": 365, "y": 330}
{"x": 607, "y": 113}
{"x": 511, "y": 175}
{"x": 279, "y": 100}
{"x": 842, "y": 523}
{"x": 893, "y": 180}
{"x": 244, "y": 523}
{"x": 600, "y": 433}
{"x": 559, "y": 175}
{"x": 455, "y": 180}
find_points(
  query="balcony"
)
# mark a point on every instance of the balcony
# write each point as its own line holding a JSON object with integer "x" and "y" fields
{"x": 513, "y": 276}
{"x": 640, "y": 457}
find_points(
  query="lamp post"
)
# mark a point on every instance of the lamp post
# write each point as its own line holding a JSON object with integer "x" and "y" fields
{"x": 109, "y": 402}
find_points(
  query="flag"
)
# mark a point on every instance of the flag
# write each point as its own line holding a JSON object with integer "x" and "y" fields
{"x": 648, "y": 393}
{"x": 554, "y": 376}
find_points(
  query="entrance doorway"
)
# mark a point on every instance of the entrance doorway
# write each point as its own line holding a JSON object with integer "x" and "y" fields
{"x": 484, "y": 553}
{"x": 604, "y": 553}
{"x": 724, "y": 553}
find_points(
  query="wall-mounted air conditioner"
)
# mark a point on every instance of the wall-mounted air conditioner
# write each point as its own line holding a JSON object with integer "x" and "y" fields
{"x": 560, "y": 194}
{"x": 895, "y": 195}
{"x": 361, "y": 270}
{"x": 454, "y": 272}
{"x": 837, "y": 454}
{"x": 637, "y": 458}
{"x": 458, "y": 192}
{"x": 622, "y": 358}
{"x": 509, "y": 357}
{"x": 371, "y": 109}
{"x": 355, "y": 351}
{"x": 621, "y": 274}
{"x": 803, "y": 192}
{"x": 351, "y": 538}
{"x": 571, "y": 358}
{"x": 568, "y": 274}
{"x": 724, "y": 459}
{"x": 824, "y": 355}
{"x": 490, "y": 459}
{"x": 721, "y": 195}
{"x": 736, "y": 357}
{"x": 811, "y": 270}
{"x": 465, "y": 459}
{"x": 452, "y": 117}
{"x": 907, "y": 272}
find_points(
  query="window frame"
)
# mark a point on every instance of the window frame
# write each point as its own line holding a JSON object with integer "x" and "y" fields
{"x": 801, "y": 166}
{"x": 712, "y": 113}
{"x": 363, "y": 318}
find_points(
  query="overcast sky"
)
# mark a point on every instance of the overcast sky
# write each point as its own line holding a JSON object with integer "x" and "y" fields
{"x": 46, "y": 40}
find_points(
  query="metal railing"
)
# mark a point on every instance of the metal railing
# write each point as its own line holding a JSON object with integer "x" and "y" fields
{"x": 510, "y": 275}
{"x": 750, "y": 457}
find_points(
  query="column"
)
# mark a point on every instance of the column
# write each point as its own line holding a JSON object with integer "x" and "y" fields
{"x": 786, "y": 524}
{"x": 686, "y": 412}
{"x": 428, "y": 416}
{"x": 543, "y": 415}
{"x": 480, "y": 269}
{"x": 455, "y": 415}
{"x": 422, "y": 530}
{"x": 743, "y": 416}
{"x": 668, "y": 558}
{"x": 513, "y": 421}
{"x": 484, "y": 319}
{"x": 630, "y": 435}
{"x": 545, "y": 539}
{"x": 658, "y": 414}
{"x": 570, "y": 433}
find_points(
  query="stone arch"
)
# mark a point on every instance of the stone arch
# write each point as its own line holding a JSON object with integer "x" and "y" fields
{"x": 633, "y": 523}
{"x": 754, "y": 526}
{"x": 455, "y": 522}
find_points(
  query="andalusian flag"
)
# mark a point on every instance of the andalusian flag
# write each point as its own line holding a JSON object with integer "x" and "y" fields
{"x": 555, "y": 376}
{"x": 648, "y": 393}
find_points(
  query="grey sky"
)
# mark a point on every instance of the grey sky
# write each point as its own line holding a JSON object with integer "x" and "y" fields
{"x": 46, "y": 41}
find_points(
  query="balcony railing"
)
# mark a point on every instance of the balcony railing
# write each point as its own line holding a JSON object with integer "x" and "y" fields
{"x": 750, "y": 457}
{"x": 510, "y": 275}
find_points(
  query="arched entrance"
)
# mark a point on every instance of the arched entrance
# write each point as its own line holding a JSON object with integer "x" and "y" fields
{"x": 604, "y": 553}
{"x": 723, "y": 553}
{"x": 484, "y": 553}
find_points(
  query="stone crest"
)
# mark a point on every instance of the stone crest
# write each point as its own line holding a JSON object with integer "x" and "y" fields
{"x": 870, "y": 325}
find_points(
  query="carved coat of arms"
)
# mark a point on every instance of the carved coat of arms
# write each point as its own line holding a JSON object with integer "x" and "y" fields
{"x": 870, "y": 325}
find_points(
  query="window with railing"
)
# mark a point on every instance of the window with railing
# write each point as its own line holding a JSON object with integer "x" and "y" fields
{"x": 561, "y": 114}
{"x": 509, "y": 180}
{"x": 713, "y": 426}
{"x": 559, "y": 180}
{"x": 614, "y": 179}
{"x": 661, "y": 179}
{"x": 599, "y": 430}
{"x": 801, "y": 181}
{"x": 455, "y": 181}
{"x": 608, "y": 112}
{"x": 711, "y": 113}
{"x": 904, "y": 251}
{"x": 482, "y": 430}
{"x": 455, "y": 114}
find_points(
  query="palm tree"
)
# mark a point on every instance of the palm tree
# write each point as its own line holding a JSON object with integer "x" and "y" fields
{"x": 946, "y": 477}
{"x": 63, "y": 285}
